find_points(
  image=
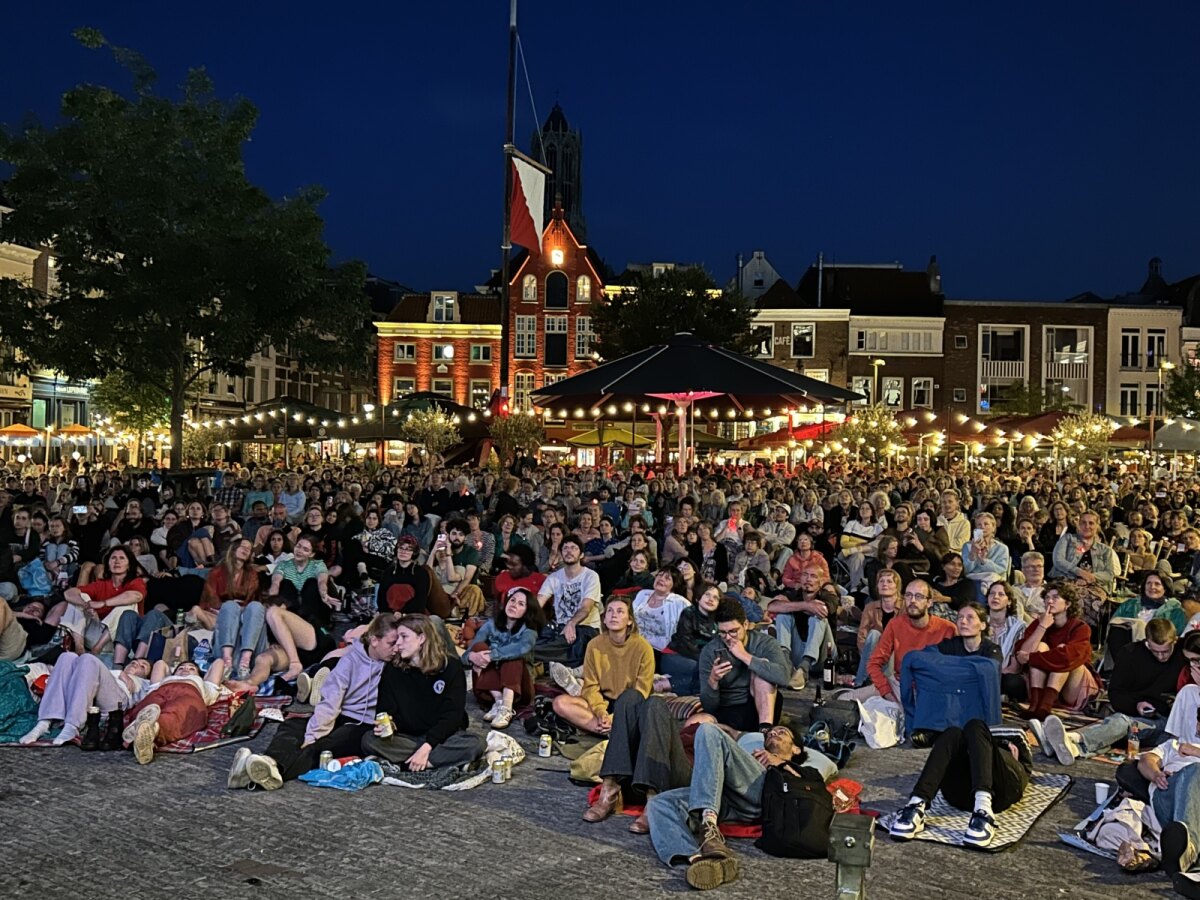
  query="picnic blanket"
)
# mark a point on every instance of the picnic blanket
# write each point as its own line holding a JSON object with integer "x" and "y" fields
{"x": 456, "y": 778}
{"x": 945, "y": 825}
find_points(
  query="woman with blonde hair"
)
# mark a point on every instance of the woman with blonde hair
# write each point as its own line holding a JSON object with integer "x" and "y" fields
{"x": 424, "y": 690}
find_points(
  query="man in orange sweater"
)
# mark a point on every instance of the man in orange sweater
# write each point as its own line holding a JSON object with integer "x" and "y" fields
{"x": 915, "y": 630}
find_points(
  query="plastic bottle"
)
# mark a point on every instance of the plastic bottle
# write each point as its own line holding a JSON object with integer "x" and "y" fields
{"x": 1133, "y": 743}
{"x": 200, "y": 656}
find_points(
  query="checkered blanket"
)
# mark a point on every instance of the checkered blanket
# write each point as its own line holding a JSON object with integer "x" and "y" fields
{"x": 945, "y": 824}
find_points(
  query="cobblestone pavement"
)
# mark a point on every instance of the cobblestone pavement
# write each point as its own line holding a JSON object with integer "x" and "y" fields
{"x": 100, "y": 826}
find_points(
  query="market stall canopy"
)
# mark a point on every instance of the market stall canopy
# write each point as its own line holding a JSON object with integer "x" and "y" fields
{"x": 387, "y": 422}
{"x": 284, "y": 418}
{"x": 785, "y": 436}
{"x": 17, "y": 431}
{"x": 610, "y": 437}
{"x": 1182, "y": 435}
{"x": 75, "y": 430}
{"x": 705, "y": 439}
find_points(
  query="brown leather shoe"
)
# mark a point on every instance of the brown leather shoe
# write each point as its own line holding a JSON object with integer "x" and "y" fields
{"x": 640, "y": 825}
{"x": 606, "y": 804}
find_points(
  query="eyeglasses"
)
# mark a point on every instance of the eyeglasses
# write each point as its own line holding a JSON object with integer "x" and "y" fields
{"x": 915, "y": 596}
{"x": 1193, "y": 661}
{"x": 725, "y": 632}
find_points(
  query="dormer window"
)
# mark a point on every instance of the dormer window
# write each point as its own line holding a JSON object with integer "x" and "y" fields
{"x": 444, "y": 308}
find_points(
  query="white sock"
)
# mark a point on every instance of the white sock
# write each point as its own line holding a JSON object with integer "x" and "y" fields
{"x": 983, "y": 802}
{"x": 37, "y": 731}
{"x": 914, "y": 800}
{"x": 68, "y": 733}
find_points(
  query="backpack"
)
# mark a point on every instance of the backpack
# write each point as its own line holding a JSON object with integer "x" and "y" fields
{"x": 241, "y": 721}
{"x": 796, "y": 813}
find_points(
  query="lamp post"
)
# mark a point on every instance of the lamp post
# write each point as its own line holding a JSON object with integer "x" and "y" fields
{"x": 875, "y": 364}
{"x": 1163, "y": 366}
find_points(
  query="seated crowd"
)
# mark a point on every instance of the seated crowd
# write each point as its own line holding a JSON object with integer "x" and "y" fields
{"x": 628, "y": 591}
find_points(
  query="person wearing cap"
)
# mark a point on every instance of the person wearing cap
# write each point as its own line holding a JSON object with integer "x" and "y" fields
{"x": 728, "y": 774}
{"x": 976, "y": 772}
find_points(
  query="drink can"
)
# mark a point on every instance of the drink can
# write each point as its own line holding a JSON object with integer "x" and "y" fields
{"x": 498, "y": 772}
{"x": 506, "y": 761}
{"x": 326, "y": 758}
{"x": 383, "y": 721}
{"x": 545, "y": 745}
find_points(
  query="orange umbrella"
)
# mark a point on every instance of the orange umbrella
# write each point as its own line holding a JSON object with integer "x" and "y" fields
{"x": 74, "y": 430}
{"x": 17, "y": 430}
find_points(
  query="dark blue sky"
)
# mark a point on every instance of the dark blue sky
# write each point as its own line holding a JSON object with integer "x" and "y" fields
{"x": 1039, "y": 149}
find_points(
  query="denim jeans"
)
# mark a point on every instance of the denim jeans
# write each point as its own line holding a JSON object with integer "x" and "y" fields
{"x": 1180, "y": 802}
{"x": 133, "y": 629}
{"x": 861, "y": 678}
{"x": 1114, "y": 729}
{"x": 241, "y": 628}
{"x": 814, "y": 648}
{"x": 683, "y": 672}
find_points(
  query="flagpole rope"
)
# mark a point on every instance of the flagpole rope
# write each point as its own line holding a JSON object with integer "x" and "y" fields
{"x": 529, "y": 87}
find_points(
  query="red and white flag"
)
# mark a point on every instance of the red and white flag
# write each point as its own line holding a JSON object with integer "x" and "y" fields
{"x": 528, "y": 204}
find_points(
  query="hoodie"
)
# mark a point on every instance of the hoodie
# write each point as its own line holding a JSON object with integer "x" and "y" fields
{"x": 350, "y": 690}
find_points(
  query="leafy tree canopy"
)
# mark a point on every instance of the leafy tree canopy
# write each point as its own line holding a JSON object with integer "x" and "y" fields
{"x": 131, "y": 404}
{"x": 657, "y": 307}
{"x": 1181, "y": 393}
{"x": 516, "y": 432}
{"x": 170, "y": 264}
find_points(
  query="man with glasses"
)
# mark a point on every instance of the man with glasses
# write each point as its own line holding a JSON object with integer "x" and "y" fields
{"x": 1144, "y": 680}
{"x": 742, "y": 672}
{"x": 915, "y": 630}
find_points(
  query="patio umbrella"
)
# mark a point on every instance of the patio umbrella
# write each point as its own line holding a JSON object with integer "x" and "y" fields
{"x": 17, "y": 430}
{"x": 75, "y": 430}
{"x": 610, "y": 437}
{"x": 784, "y": 436}
{"x": 684, "y": 371}
{"x": 1179, "y": 434}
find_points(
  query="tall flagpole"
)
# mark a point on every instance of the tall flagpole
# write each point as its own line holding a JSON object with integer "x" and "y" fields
{"x": 506, "y": 244}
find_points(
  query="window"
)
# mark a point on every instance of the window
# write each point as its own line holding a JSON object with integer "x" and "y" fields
{"x": 1131, "y": 350}
{"x": 960, "y": 395}
{"x": 861, "y": 384}
{"x": 443, "y": 308}
{"x": 1153, "y": 400}
{"x": 402, "y": 386}
{"x": 522, "y": 387}
{"x": 1129, "y": 400}
{"x": 803, "y": 339}
{"x": 1066, "y": 344}
{"x": 583, "y": 337}
{"x": 443, "y": 353}
{"x": 891, "y": 390}
{"x": 1003, "y": 343}
{"x": 264, "y": 376}
{"x": 960, "y": 342}
{"x": 443, "y": 386}
{"x": 583, "y": 289}
{"x": 1156, "y": 347}
{"x": 922, "y": 392}
{"x": 526, "y": 343}
{"x": 481, "y": 353}
{"x": 404, "y": 352}
{"x": 248, "y": 386}
{"x": 916, "y": 341}
{"x": 556, "y": 291}
{"x": 529, "y": 288}
{"x": 481, "y": 393}
{"x": 556, "y": 341}
{"x": 554, "y": 378}
{"x": 870, "y": 340}
{"x": 764, "y": 341}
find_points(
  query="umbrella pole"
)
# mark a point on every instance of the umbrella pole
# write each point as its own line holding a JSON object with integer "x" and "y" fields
{"x": 681, "y": 407}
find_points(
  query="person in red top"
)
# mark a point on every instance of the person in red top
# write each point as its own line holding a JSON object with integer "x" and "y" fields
{"x": 518, "y": 571}
{"x": 914, "y": 630}
{"x": 1057, "y": 648}
{"x": 122, "y": 586}
{"x": 230, "y": 601}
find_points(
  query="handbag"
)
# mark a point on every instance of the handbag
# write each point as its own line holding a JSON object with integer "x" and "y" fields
{"x": 840, "y": 716}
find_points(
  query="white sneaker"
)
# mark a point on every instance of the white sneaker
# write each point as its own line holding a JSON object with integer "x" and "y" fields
{"x": 565, "y": 678}
{"x": 238, "y": 778}
{"x": 264, "y": 772}
{"x": 1064, "y": 746}
{"x": 303, "y": 687}
{"x": 503, "y": 717}
{"x": 148, "y": 713}
{"x": 143, "y": 742}
{"x": 1039, "y": 733}
{"x": 491, "y": 713}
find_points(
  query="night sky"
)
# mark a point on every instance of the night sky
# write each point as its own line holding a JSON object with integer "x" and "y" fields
{"x": 1039, "y": 149}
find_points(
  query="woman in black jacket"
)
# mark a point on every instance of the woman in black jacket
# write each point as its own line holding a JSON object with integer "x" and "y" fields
{"x": 424, "y": 690}
{"x": 405, "y": 586}
{"x": 695, "y": 628}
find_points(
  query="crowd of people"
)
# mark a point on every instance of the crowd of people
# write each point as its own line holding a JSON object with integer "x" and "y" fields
{"x": 1079, "y": 594}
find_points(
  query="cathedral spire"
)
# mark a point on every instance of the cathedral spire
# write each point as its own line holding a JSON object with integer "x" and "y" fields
{"x": 560, "y": 149}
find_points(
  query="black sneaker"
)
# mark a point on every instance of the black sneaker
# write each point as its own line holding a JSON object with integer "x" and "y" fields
{"x": 981, "y": 830}
{"x": 909, "y": 822}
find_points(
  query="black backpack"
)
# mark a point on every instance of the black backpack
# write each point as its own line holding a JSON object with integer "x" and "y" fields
{"x": 796, "y": 813}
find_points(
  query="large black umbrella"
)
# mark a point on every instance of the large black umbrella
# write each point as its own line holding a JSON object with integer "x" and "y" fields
{"x": 285, "y": 419}
{"x": 685, "y": 371}
{"x": 385, "y": 423}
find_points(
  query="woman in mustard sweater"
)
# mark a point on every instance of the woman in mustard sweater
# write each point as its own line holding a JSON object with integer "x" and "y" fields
{"x": 617, "y": 659}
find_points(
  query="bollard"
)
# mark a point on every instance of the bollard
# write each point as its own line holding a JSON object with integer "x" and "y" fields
{"x": 851, "y": 840}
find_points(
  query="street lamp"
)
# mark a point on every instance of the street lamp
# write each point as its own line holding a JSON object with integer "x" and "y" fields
{"x": 875, "y": 364}
{"x": 1163, "y": 366}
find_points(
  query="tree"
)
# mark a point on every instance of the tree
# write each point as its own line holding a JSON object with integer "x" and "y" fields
{"x": 516, "y": 432}
{"x": 1181, "y": 393}
{"x": 657, "y": 307}
{"x": 870, "y": 430}
{"x": 1084, "y": 435}
{"x": 198, "y": 443}
{"x": 170, "y": 264}
{"x": 1025, "y": 399}
{"x": 432, "y": 429}
{"x": 132, "y": 405}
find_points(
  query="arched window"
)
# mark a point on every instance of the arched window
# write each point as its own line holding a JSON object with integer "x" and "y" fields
{"x": 583, "y": 289}
{"x": 556, "y": 291}
{"x": 529, "y": 287}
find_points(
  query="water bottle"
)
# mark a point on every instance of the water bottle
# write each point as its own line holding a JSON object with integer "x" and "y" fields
{"x": 1133, "y": 743}
{"x": 179, "y": 618}
{"x": 201, "y": 655}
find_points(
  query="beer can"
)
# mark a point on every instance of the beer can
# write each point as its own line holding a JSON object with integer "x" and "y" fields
{"x": 326, "y": 758}
{"x": 508, "y": 764}
{"x": 383, "y": 721}
{"x": 545, "y": 745}
{"x": 498, "y": 772}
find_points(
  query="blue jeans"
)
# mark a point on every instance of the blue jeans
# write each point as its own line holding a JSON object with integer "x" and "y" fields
{"x": 133, "y": 629}
{"x": 242, "y": 628}
{"x": 1114, "y": 729}
{"x": 683, "y": 672}
{"x": 1180, "y": 802}
{"x": 861, "y": 678}
{"x": 814, "y": 648}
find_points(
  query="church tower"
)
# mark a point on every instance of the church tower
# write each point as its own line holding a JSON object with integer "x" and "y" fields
{"x": 560, "y": 149}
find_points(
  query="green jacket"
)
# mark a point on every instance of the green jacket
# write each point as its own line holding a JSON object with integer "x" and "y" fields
{"x": 1132, "y": 609}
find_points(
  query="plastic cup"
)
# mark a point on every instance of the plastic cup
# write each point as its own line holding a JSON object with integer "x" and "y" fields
{"x": 1101, "y": 792}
